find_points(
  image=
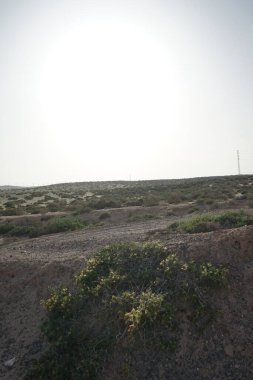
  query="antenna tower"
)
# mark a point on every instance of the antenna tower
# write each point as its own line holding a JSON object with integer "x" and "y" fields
{"x": 238, "y": 162}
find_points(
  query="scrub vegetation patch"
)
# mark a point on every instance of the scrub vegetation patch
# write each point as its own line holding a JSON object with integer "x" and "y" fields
{"x": 29, "y": 227}
{"x": 210, "y": 222}
{"x": 129, "y": 301}
{"x": 209, "y": 193}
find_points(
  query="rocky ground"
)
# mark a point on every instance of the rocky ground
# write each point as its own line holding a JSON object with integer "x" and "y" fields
{"x": 29, "y": 267}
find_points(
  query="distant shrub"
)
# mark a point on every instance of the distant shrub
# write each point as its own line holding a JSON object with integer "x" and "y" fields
{"x": 56, "y": 225}
{"x": 191, "y": 210}
{"x": 55, "y": 206}
{"x": 35, "y": 211}
{"x": 48, "y": 198}
{"x": 20, "y": 230}
{"x": 5, "y": 228}
{"x": 234, "y": 219}
{"x": 84, "y": 210}
{"x": 151, "y": 201}
{"x": 9, "y": 212}
{"x": 104, "y": 215}
{"x": 10, "y": 204}
{"x": 45, "y": 217}
{"x": 105, "y": 203}
{"x": 44, "y": 226}
{"x": 134, "y": 202}
{"x": 170, "y": 213}
{"x": 211, "y": 222}
{"x": 176, "y": 197}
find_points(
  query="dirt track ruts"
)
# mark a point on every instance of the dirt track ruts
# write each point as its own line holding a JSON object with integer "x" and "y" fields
{"x": 77, "y": 244}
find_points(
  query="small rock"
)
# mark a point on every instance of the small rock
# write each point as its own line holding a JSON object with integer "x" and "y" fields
{"x": 240, "y": 196}
{"x": 9, "y": 363}
{"x": 229, "y": 350}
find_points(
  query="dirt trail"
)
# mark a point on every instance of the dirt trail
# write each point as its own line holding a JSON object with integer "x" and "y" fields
{"x": 27, "y": 268}
{"x": 77, "y": 244}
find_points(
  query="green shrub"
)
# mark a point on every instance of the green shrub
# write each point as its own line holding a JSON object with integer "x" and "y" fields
{"x": 151, "y": 201}
{"x": 53, "y": 207}
{"x": 56, "y": 225}
{"x": 195, "y": 224}
{"x": 84, "y": 210}
{"x": 20, "y": 230}
{"x": 9, "y": 212}
{"x": 5, "y": 228}
{"x": 46, "y": 225}
{"x": 234, "y": 219}
{"x": 104, "y": 202}
{"x": 211, "y": 222}
{"x": 127, "y": 296}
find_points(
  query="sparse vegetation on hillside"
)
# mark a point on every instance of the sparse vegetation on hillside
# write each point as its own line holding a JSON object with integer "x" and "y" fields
{"x": 75, "y": 197}
{"x": 130, "y": 299}
{"x": 98, "y": 203}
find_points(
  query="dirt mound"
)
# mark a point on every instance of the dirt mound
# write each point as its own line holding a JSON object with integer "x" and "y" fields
{"x": 223, "y": 351}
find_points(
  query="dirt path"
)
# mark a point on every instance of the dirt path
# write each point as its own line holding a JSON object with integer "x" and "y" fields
{"x": 77, "y": 244}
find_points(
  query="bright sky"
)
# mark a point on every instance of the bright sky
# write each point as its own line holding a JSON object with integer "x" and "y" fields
{"x": 108, "y": 90}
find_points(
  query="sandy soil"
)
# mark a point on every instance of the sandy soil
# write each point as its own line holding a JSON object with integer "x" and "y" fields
{"x": 27, "y": 268}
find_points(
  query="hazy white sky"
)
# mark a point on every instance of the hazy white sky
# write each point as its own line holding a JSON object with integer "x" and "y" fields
{"x": 105, "y": 90}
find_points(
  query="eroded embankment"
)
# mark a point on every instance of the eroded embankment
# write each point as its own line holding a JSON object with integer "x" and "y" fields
{"x": 223, "y": 351}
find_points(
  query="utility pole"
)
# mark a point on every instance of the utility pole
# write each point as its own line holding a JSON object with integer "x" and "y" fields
{"x": 238, "y": 162}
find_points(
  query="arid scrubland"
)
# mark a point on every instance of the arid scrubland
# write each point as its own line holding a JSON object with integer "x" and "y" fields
{"x": 143, "y": 280}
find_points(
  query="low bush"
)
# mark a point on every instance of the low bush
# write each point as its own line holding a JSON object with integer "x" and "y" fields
{"x": 128, "y": 298}
{"x": 9, "y": 212}
{"x": 234, "y": 219}
{"x": 104, "y": 215}
{"x": 5, "y": 228}
{"x": 44, "y": 226}
{"x": 211, "y": 222}
{"x": 56, "y": 225}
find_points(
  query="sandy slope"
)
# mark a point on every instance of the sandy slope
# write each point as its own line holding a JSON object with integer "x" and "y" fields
{"x": 27, "y": 269}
